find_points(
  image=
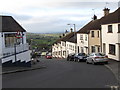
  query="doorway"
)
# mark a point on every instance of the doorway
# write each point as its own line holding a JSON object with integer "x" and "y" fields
{"x": 104, "y": 48}
{"x": 119, "y": 52}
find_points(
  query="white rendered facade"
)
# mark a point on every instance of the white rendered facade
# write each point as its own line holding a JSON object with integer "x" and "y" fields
{"x": 7, "y": 53}
{"x": 111, "y": 39}
{"x": 82, "y": 43}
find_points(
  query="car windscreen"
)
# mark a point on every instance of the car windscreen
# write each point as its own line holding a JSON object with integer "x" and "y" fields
{"x": 81, "y": 54}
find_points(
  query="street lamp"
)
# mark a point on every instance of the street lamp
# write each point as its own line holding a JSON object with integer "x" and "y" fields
{"x": 74, "y": 33}
{"x": 74, "y": 26}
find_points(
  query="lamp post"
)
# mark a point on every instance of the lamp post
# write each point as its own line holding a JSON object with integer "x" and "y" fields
{"x": 17, "y": 36}
{"x": 74, "y": 33}
{"x": 74, "y": 26}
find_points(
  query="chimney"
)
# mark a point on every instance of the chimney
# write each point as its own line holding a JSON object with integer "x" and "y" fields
{"x": 106, "y": 11}
{"x": 71, "y": 30}
{"x": 94, "y": 17}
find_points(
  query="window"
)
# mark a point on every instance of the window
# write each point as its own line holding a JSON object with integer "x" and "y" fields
{"x": 82, "y": 50}
{"x": 85, "y": 37}
{"x": 78, "y": 49}
{"x": 98, "y": 34}
{"x": 81, "y": 37}
{"x": 92, "y": 34}
{"x": 10, "y": 40}
{"x": 93, "y": 48}
{"x": 118, "y": 28}
{"x": 98, "y": 49}
{"x": 112, "y": 49}
{"x": 109, "y": 28}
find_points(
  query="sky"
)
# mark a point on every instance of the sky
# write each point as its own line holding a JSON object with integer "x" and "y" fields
{"x": 52, "y": 16}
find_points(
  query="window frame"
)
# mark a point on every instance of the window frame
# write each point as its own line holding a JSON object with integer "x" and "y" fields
{"x": 98, "y": 34}
{"x": 110, "y": 30}
{"x": 81, "y": 37}
{"x": 111, "y": 51}
{"x": 118, "y": 28}
{"x": 92, "y": 34}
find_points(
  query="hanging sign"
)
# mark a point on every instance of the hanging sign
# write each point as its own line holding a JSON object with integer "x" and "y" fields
{"x": 18, "y": 35}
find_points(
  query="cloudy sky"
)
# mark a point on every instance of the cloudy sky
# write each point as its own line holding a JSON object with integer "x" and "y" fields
{"x": 52, "y": 16}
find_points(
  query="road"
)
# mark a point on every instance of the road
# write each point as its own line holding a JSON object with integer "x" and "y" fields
{"x": 62, "y": 74}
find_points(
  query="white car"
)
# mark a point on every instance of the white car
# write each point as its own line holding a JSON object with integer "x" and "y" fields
{"x": 95, "y": 58}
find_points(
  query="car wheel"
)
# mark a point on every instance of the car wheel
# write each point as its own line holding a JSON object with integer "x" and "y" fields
{"x": 93, "y": 62}
{"x": 74, "y": 59}
{"x": 87, "y": 62}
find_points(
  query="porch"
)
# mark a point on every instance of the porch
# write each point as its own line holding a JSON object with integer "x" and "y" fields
{"x": 7, "y": 51}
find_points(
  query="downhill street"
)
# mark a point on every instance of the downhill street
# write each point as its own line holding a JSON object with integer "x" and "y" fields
{"x": 62, "y": 74}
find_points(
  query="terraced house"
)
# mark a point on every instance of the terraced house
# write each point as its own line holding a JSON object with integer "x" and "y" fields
{"x": 14, "y": 49}
{"x": 110, "y": 28}
{"x": 88, "y": 37}
{"x": 101, "y": 35}
{"x": 64, "y": 46}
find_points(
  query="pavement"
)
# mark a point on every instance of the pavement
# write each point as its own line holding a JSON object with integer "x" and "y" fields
{"x": 15, "y": 69}
{"x": 114, "y": 66}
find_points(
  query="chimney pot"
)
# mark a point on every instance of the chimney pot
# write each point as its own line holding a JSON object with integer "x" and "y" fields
{"x": 71, "y": 30}
{"x": 106, "y": 11}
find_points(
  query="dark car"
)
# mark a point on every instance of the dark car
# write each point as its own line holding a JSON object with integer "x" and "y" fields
{"x": 80, "y": 57}
{"x": 70, "y": 57}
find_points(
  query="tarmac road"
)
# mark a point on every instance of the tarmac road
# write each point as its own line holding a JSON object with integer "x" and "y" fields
{"x": 62, "y": 74}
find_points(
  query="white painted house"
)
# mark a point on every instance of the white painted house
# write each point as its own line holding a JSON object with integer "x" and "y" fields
{"x": 88, "y": 37}
{"x": 14, "y": 49}
{"x": 82, "y": 42}
{"x": 111, "y": 35}
{"x": 64, "y": 46}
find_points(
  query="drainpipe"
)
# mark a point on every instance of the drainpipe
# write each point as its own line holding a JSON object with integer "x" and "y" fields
{"x": 101, "y": 40}
{"x": 88, "y": 44}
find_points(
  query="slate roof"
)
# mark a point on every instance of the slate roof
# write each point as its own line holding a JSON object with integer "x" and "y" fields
{"x": 92, "y": 25}
{"x": 96, "y": 24}
{"x": 9, "y": 24}
{"x": 73, "y": 39}
{"x": 68, "y": 37}
{"x": 111, "y": 18}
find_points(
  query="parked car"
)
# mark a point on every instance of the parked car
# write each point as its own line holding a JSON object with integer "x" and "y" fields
{"x": 80, "y": 57}
{"x": 48, "y": 57}
{"x": 95, "y": 58}
{"x": 70, "y": 57}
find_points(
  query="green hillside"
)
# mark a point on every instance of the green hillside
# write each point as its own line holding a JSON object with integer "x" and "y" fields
{"x": 41, "y": 42}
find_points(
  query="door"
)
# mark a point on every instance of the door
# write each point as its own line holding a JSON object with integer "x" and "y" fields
{"x": 104, "y": 48}
{"x": 119, "y": 52}
{"x": 78, "y": 49}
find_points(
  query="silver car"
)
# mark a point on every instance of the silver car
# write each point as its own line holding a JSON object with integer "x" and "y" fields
{"x": 95, "y": 58}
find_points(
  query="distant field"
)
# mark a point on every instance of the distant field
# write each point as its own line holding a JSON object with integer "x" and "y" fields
{"x": 53, "y": 34}
{"x": 42, "y": 41}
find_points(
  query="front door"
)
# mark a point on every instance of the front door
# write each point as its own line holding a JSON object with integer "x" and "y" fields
{"x": 104, "y": 48}
{"x": 119, "y": 52}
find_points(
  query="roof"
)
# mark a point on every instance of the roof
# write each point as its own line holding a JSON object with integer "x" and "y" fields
{"x": 92, "y": 25}
{"x": 111, "y": 18}
{"x": 73, "y": 39}
{"x": 96, "y": 24}
{"x": 9, "y": 24}
{"x": 68, "y": 37}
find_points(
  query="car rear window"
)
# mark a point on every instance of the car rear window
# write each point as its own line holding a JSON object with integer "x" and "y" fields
{"x": 99, "y": 54}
